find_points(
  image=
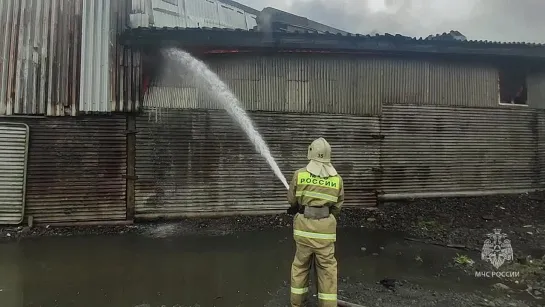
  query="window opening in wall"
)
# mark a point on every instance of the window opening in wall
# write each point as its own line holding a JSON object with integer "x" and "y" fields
{"x": 513, "y": 87}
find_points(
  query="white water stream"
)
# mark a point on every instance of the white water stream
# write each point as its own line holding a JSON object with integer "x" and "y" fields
{"x": 209, "y": 81}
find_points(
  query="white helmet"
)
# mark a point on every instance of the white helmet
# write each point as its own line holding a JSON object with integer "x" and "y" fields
{"x": 319, "y": 154}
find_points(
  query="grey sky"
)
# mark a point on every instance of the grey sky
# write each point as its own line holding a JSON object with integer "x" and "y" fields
{"x": 495, "y": 20}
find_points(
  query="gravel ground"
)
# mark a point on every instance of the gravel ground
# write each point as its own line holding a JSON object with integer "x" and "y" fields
{"x": 404, "y": 294}
{"x": 461, "y": 221}
{"x": 466, "y": 221}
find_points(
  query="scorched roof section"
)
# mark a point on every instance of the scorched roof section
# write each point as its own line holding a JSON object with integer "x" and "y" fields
{"x": 229, "y": 39}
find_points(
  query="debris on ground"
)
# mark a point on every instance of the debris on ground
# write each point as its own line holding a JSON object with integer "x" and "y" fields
{"x": 463, "y": 260}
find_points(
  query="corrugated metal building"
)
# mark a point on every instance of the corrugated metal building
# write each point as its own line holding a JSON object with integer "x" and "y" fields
{"x": 63, "y": 58}
{"x": 86, "y": 139}
{"x": 405, "y": 119}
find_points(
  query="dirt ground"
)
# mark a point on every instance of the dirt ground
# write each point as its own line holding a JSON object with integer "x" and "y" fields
{"x": 405, "y": 294}
{"x": 457, "y": 222}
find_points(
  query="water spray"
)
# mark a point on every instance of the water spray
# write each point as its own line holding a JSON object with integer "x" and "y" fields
{"x": 210, "y": 82}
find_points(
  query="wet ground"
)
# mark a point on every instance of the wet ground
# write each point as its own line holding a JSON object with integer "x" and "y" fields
{"x": 459, "y": 221}
{"x": 245, "y": 260}
{"x": 165, "y": 266}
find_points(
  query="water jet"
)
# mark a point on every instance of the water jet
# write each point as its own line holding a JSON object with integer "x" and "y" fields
{"x": 210, "y": 82}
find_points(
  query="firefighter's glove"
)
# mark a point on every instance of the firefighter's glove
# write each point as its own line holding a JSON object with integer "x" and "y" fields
{"x": 292, "y": 210}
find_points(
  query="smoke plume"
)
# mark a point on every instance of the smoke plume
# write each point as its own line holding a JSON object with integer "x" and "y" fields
{"x": 493, "y": 20}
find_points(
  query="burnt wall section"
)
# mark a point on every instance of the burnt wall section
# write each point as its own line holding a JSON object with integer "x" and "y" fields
{"x": 76, "y": 169}
{"x": 452, "y": 151}
{"x": 335, "y": 84}
{"x": 536, "y": 90}
{"x": 199, "y": 162}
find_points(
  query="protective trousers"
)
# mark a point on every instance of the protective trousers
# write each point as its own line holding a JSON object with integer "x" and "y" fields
{"x": 315, "y": 241}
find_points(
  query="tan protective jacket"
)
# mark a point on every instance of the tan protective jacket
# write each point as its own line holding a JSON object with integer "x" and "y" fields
{"x": 309, "y": 190}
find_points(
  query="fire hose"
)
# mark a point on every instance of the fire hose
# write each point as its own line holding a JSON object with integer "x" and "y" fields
{"x": 347, "y": 304}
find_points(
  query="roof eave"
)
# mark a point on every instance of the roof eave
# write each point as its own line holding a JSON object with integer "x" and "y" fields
{"x": 238, "y": 39}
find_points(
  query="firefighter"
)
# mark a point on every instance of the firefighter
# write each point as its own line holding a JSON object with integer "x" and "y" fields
{"x": 316, "y": 195}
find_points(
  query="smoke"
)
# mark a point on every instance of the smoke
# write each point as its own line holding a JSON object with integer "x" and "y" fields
{"x": 494, "y": 20}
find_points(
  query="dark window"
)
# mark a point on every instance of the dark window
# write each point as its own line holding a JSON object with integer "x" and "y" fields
{"x": 513, "y": 88}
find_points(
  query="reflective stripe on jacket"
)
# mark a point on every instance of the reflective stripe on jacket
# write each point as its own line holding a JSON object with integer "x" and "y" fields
{"x": 309, "y": 190}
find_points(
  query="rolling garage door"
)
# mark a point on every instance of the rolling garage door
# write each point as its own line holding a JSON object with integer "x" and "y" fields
{"x": 76, "y": 169}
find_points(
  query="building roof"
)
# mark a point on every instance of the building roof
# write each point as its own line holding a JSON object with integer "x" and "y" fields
{"x": 269, "y": 17}
{"x": 228, "y": 39}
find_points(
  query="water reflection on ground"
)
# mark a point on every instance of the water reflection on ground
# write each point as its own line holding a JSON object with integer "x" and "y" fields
{"x": 234, "y": 270}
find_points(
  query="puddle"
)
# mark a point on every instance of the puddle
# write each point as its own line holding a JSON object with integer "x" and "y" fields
{"x": 244, "y": 269}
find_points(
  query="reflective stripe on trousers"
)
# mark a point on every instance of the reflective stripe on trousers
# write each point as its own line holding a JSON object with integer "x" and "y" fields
{"x": 327, "y": 297}
{"x": 315, "y": 235}
{"x": 299, "y": 290}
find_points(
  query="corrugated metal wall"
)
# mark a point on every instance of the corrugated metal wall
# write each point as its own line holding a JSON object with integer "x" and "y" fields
{"x": 282, "y": 84}
{"x": 468, "y": 85}
{"x": 95, "y": 45}
{"x": 110, "y": 73}
{"x": 13, "y": 164}
{"x": 191, "y": 162}
{"x": 536, "y": 90}
{"x": 201, "y": 13}
{"x": 189, "y": 13}
{"x": 41, "y": 45}
{"x": 169, "y": 13}
{"x": 402, "y": 81}
{"x": 444, "y": 149}
{"x": 40, "y": 56}
{"x": 76, "y": 169}
{"x": 335, "y": 84}
{"x": 541, "y": 153}
{"x": 230, "y": 16}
